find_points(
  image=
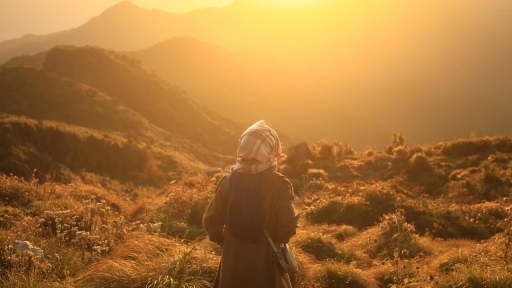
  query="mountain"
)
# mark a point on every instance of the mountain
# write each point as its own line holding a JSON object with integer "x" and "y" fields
{"x": 125, "y": 79}
{"x": 89, "y": 108}
{"x": 231, "y": 83}
{"x": 358, "y": 41}
{"x": 35, "y": 61}
{"x": 433, "y": 70}
{"x": 124, "y": 26}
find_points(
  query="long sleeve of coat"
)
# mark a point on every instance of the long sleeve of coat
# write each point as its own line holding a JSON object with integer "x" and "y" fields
{"x": 287, "y": 220}
{"x": 213, "y": 218}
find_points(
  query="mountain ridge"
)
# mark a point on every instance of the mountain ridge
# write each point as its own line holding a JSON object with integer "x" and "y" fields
{"x": 171, "y": 133}
{"x": 163, "y": 104}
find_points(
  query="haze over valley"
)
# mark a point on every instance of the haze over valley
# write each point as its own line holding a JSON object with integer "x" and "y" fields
{"x": 118, "y": 119}
{"x": 341, "y": 71}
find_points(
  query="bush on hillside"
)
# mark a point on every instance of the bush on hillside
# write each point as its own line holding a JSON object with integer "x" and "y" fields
{"x": 181, "y": 214}
{"x": 353, "y": 211}
{"x": 400, "y": 152}
{"x": 474, "y": 275}
{"x": 316, "y": 174}
{"x": 414, "y": 150}
{"x": 342, "y": 150}
{"x": 326, "y": 150}
{"x": 396, "y": 234}
{"x": 472, "y": 146}
{"x": 339, "y": 276}
{"x": 320, "y": 246}
{"x": 296, "y": 171}
{"x": 58, "y": 149}
{"x": 419, "y": 163}
{"x": 397, "y": 141}
{"x": 345, "y": 232}
{"x": 360, "y": 210}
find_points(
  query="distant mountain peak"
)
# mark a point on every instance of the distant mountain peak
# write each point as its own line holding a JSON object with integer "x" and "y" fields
{"x": 123, "y": 7}
{"x": 125, "y": 4}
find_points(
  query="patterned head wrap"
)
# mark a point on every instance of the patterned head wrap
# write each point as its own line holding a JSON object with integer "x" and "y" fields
{"x": 259, "y": 148}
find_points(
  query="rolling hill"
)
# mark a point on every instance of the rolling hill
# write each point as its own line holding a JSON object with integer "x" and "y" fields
{"x": 73, "y": 118}
{"x": 165, "y": 105}
{"x": 123, "y": 26}
{"x": 359, "y": 83}
{"x": 231, "y": 83}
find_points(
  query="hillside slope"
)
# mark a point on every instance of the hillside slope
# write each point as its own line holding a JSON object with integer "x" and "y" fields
{"x": 435, "y": 216}
{"x": 392, "y": 69}
{"x": 67, "y": 153}
{"x": 164, "y": 105}
{"x": 124, "y": 26}
{"x": 231, "y": 83}
{"x": 129, "y": 111}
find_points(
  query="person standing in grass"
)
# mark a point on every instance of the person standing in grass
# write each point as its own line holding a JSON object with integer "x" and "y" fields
{"x": 251, "y": 198}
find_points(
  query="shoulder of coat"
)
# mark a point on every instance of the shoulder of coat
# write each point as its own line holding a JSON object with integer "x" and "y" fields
{"x": 222, "y": 180}
{"x": 285, "y": 181}
{"x": 280, "y": 176}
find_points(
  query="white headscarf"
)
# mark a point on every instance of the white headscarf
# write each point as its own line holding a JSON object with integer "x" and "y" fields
{"x": 259, "y": 148}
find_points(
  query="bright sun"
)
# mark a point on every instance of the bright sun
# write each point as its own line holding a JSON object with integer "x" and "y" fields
{"x": 293, "y": 3}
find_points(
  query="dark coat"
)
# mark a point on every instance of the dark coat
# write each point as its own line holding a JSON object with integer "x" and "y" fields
{"x": 251, "y": 264}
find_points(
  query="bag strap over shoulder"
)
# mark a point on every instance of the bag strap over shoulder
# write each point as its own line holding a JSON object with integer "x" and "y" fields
{"x": 270, "y": 240}
{"x": 284, "y": 256}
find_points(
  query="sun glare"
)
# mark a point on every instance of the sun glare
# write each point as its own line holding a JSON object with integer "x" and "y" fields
{"x": 293, "y": 4}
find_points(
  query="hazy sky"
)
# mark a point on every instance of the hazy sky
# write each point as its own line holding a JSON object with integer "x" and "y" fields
{"x": 20, "y": 17}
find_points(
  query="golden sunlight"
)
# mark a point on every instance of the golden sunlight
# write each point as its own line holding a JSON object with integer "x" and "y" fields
{"x": 292, "y": 4}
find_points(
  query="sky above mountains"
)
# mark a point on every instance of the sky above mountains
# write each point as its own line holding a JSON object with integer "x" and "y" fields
{"x": 21, "y": 17}
{"x": 431, "y": 69}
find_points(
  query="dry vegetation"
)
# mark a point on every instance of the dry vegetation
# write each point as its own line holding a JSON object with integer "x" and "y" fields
{"x": 82, "y": 116}
{"x": 429, "y": 216}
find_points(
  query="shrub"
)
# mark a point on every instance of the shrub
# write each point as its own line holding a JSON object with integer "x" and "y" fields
{"x": 345, "y": 232}
{"x": 415, "y": 150}
{"x": 157, "y": 263}
{"x": 429, "y": 151}
{"x": 396, "y": 235}
{"x": 419, "y": 164}
{"x": 340, "y": 276}
{"x": 382, "y": 162}
{"x": 380, "y": 198}
{"x": 181, "y": 213}
{"x": 360, "y": 210}
{"x": 296, "y": 170}
{"x": 466, "y": 147}
{"x": 317, "y": 245}
{"x": 326, "y": 150}
{"x": 315, "y": 186}
{"x": 400, "y": 152}
{"x": 353, "y": 211}
{"x": 323, "y": 149}
{"x": 499, "y": 158}
{"x": 317, "y": 174}
{"x": 369, "y": 153}
{"x": 342, "y": 150}
{"x": 398, "y": 140}
{"x": 14, "y": 191}
{"x": 471, "y": 275}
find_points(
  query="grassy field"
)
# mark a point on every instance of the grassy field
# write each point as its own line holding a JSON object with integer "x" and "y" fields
{"x": 419, "y": 216}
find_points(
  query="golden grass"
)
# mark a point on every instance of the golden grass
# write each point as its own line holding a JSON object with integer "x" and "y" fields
{"x": 155, "y": 239}
{"x": 144, "y": 257}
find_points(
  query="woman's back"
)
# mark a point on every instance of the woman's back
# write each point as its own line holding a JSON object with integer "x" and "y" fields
{"x": 251, "y": 263}
{"x": 253, "y": 197}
